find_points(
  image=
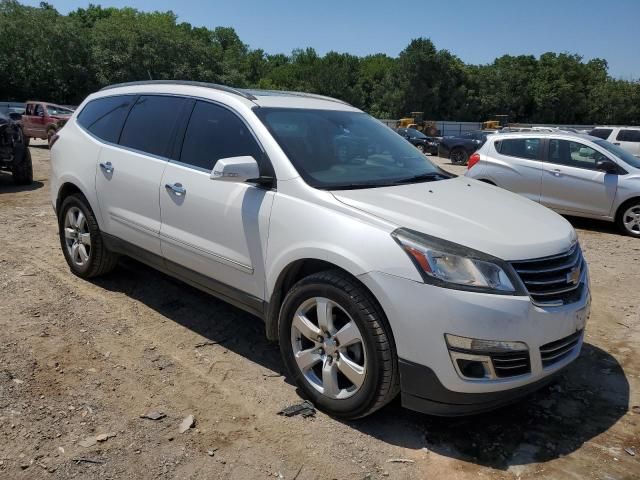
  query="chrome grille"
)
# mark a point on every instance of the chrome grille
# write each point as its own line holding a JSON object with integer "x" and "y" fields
{"x": 556, "y": 351}
{"x": 511, "y": 364}
{"x": 553, "y": 281}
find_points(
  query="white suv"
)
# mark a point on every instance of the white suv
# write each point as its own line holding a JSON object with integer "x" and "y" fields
{"x": 377, "y": 272}
{"x": 627, "y": 138}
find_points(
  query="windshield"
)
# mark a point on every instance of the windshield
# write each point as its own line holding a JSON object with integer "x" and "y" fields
{"x": 54, "y": 110}
{"x": 336, "y": 149}
{"x": 622, "y": 154}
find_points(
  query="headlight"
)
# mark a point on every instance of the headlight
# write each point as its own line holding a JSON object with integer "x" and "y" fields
{"x": 450, "y": 265}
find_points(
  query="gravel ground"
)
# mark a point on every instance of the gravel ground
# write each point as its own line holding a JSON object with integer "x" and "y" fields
{"x": 80, "y": 362}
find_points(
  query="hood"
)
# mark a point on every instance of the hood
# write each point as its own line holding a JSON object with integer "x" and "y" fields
{"x": 470, "y": 213}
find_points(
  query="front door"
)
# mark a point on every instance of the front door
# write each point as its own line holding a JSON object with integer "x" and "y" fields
{"x": 571, "y": 182}
{"x": 214, "y": 228}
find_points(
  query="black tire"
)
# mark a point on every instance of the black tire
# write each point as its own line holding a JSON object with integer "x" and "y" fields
{"x": 421, "y": 148}
{"x": 26, "y": 139}
{"x": 101, "y": 260}
{"x": 381, "y": 383}
{"x": 459, "y": 156}
{"x": 50, "y": 133}
{"x": 620, "y": 218}
{"x": 23, "y": 170}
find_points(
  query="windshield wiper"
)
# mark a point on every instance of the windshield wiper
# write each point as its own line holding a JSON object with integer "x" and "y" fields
{"x": 429, "y": 177}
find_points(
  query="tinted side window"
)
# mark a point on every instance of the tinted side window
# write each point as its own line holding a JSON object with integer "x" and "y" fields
{"x": 573, "y": 154}
{"x": 628, "y": 135}
{"x": 214, "y": 133}
{"x": 150, "y": 124}
{"x": 39, "y": 110}
{"x": 602, "y": 133}
{"x": 104, "y": 117}
{"x": 521, "y": 147}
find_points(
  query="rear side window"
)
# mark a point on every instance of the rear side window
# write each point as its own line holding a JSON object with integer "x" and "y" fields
{"x": 520, "y": 147}
{"x": 150, "y": 124}
{"x": 104, "y": 117}
{"x": 214, "y": 133}
{"x": 628, "y": 135}
{"x": 602, "y": 133}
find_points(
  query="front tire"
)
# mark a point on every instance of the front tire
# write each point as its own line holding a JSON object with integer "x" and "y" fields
{"x": 337, "y": 345}
{"x": 23, "y": 171}
{"x": 81, "y": 240}
{"x": 421, "y": 148}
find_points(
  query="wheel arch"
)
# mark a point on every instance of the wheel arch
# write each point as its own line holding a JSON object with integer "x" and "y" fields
{"x": 624, "y": 205}
{"x": 70, "y": 187}
{"x": 293, "y": 272}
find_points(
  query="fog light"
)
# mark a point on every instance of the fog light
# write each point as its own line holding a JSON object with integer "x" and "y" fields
{"x": 477, "y": 345}
{"x": 472, "y": 368}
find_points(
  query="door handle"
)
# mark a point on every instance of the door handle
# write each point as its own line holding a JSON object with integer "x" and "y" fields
{"x": 107, "y": 167}
{"x": 556, "y": 172}
{"x": 177, "y": 189}
{"x": 616, "y": 143}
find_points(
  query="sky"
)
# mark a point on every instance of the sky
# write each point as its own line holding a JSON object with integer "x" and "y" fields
{"x": 475, "y": 31}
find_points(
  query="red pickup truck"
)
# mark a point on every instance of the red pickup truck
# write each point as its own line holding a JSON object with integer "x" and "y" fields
{"x": 42, "y": 120}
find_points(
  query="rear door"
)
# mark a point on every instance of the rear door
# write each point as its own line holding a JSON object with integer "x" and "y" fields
{"x": 130, "y": 170}
{"x": 571, "y": 182}
{"x": 629, "y": 139}
{"x": 516, "y": 165}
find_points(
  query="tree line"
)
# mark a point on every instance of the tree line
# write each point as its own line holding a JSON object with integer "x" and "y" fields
{"x": 63, "y": 58}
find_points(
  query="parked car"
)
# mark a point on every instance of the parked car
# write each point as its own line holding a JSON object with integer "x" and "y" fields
{"x": 627, "y": 138}
{"x": 43, "y": 120}
{"x": 459, "y": 148}
{"x": 14, "y": 154}
{"x": 573, "y": 174}
{"x": 12, "y": 107}
{"x": 377, "y": 271}
{"x": 419, "y": 140}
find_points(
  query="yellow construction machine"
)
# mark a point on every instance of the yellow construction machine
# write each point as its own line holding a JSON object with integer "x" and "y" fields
{"x": 416, "y": 120}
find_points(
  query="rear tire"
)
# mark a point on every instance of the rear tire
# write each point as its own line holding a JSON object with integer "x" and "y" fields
{"x": 23, "y": 171}
{"x": 459, "y": 156}
{"x": 368, "y": 351}
{"x": 628, "y": 218}
{"x": 81, "y": 239}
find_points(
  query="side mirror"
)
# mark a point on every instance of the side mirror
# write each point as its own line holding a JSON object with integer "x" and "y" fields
{"x": 236, "y": 169}
{"x": 607, "y": 166}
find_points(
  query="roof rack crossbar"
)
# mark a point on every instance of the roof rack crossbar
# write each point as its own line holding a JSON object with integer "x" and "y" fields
{"x": 214, "y": 86}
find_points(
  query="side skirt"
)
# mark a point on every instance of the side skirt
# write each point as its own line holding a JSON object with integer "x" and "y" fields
{"x": 224, "y": 292}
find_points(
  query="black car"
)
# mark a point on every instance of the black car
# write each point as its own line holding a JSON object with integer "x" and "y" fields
{"x": 459, "y": 148}
{"x": 420, "y": 140}
{"x": 14, "y": 154}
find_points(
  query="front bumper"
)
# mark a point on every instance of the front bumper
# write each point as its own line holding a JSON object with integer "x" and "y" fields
{"x": 420, "y": 315}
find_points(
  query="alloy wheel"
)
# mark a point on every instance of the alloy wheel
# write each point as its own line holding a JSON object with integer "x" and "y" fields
{"x": 631, "y": 220}
{"x": 77, "y": 237}
{"x": 328, "y": 348}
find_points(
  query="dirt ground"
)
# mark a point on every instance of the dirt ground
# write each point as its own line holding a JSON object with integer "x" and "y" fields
{"x": 80, "y": 360}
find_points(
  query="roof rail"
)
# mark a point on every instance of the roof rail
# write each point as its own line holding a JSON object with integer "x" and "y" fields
{"x": 254, "y": 92}
{"x": 214, "y": 86}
